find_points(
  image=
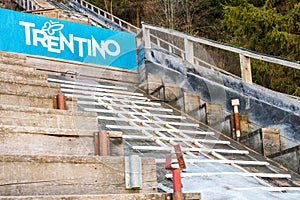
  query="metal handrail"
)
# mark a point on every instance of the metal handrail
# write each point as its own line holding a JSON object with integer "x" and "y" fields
{"x": 223, "y": 46}
{"x": 108, "y": 15}
{"x": 29, "y": 4}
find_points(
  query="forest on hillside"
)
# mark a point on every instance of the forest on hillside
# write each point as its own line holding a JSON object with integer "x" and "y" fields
{"x": 267, "y": 26}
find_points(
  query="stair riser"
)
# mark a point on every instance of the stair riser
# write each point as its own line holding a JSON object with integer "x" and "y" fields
{"x": 21, "y": 76}
{"x": 37, "y": 90}
{"x": 33, "y": 101}
{"x": 46, "y": 120}
{"x": 70, "y": 176}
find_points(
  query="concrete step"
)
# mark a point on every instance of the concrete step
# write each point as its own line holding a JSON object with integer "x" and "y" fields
{"x": 19, "y": 67}
{"x": 31, "y": 175}
{"x": 29, "y": 87}
{"x": 21, "y": 75}
{"x": 14, "y": 60}
{"x": 45, "y": 141}
{"x": 135, "y": 196}
{"x": 34, "y": 101}
{"x": 43, "y": 117}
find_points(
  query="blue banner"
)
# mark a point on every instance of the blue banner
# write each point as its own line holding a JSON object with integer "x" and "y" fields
{"x": 38, "y": 35}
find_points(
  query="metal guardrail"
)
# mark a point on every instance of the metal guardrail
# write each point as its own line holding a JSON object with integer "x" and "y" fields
{"x": 131, "y": 28}
{"x": 187, "y": 51}
{"x": 29, "y": 4}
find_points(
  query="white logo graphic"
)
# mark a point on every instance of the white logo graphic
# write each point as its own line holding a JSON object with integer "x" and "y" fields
{"x": 51, "y": 27}
{"x": 50, "y": 36}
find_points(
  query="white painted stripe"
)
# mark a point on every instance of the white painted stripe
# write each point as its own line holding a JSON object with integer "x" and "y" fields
{"x": 132, "y": 113}
{"x": 238, "y": 162}
{"x": 138, "y": 137}
{"x": 86, "y": 84}
{"x": 72, "y": 91}
{"x": 78, "y": 87}
{"x": 265, "y": 175}
{"x": 146, "y": 121}
{"x": 157, "y": 148}
{"x": 125, "y": 106}
{"x": 158, "y": 129}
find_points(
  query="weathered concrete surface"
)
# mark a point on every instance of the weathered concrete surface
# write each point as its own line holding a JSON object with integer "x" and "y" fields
{"x": 69, "y": 175}
{"x": 264, "y": 107}
{"x": 32, "y": 100}
{"x": 43, "y": 117}
{"x": 152, "y": 196}
{"x": 29, "y": 87}
{"x": 271, "y": 141}
{"x": 59, "y": 66}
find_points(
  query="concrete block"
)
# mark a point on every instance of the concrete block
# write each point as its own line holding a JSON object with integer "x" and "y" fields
{"x": 192, "y": 102}
{"x": 154, "y": 82}
{"x": 172, "y": 92}
{"x": 290, "y": 160}
{"x": 69, "y": 175}
{"x": 244, "y": 125}
{"x": 271, "y": 141}
{"x": 254, "y": 141}
{"x": 214, "y": 116}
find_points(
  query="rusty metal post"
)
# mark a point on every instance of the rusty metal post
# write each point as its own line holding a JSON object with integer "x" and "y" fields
{"x": 104, "y": 143}
{"x": 235, "y": 103}
{"x": 96, "y": 144}
{"x": 61, "y": 102}
{"x": 55, "y": 103}
{"x": 177, "y": 192}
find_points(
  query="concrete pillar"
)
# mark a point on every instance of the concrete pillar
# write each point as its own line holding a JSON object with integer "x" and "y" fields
{"x": 153, "y": 85}
{"x": 214, "y": 116}
{"x": 189, "y": 50}
{"x": 246, "y": 73}
{"x": 116, "y": 143}
{"x": 271, "y": 141}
